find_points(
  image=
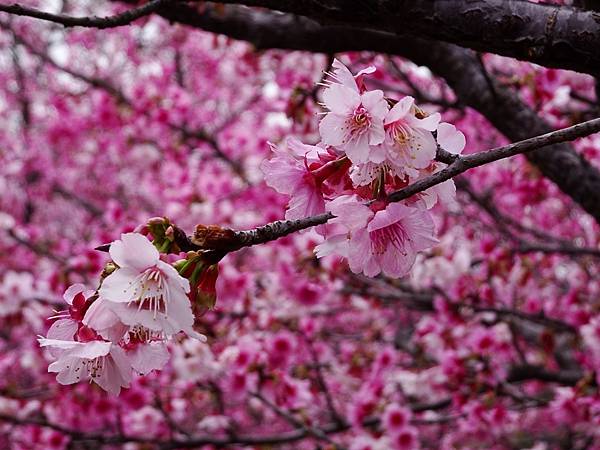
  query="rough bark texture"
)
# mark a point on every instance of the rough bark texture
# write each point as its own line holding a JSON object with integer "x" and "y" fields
{"x": 549, "y": 35}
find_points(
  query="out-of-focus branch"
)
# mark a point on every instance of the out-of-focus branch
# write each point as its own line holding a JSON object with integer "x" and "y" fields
{"x": 530, "y": 372}
{"x": 118, "y": 20}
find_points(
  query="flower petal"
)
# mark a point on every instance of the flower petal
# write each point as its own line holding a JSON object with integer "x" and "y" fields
{"x": 134, "y": 250}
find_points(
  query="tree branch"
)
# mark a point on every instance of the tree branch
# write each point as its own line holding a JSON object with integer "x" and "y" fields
{"x": 460, "y": 164}
{"x": 550, "y": 35}
{"x": 124, "y": 18}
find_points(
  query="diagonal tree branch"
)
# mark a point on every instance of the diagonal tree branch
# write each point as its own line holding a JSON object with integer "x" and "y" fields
{"x": 460, "y": 164}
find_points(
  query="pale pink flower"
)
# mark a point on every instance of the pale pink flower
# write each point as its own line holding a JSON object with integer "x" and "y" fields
{"x": 102, "y": 362}
{"x": 355, "y": 119}
{"x": 450, "y": 139}
{"x": 383, "y": 241}
{"x": 409, "y": 141}
{"x": 147, "y": 291}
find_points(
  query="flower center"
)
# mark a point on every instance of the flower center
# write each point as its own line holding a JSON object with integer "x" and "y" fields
{"x": 401, "y": 133}
{"x": 361, "y": 120}
{"x": 150, "y": 291}
{"x": 142, "y": 335}
{"x": 95, "y": 367}
{"x": 393, "y": 235}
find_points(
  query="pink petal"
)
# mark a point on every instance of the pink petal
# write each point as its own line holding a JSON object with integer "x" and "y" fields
{"x": 357, "y": 149}
{"x": 333, "y": 129}
{"x": 119, "y": 287}
{"x": 282, "y": 172}
{"x": 344, "y": 75}
{"x": 148, "y": 357}
{"x": 424, "y": 151}
{"x": 72, "y": 291}
{"x": 340, "y": 99}
{"x": 429, "y": 123}
{"x": 63, "y": 330}
{"x": 349, "y": 212}
{"x": 359, "y": 248}
{"x": 337, "y": 244}
{"x": 395, "y": 263}
{"x": 450, "y": 139}
{"x": 399, "y": 110}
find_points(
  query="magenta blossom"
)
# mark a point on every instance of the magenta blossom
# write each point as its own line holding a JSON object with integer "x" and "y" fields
{"x": 386, "y": 240}
{"x": 288, "y": 173}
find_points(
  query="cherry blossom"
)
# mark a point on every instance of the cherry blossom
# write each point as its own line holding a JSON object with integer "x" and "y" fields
{"x": 383, "y": 240}
{"x": 409, "y": 143}
{"x": 354, "y": 121}
{"x": 146, "y": 291}
{"x": 99, "y": 361}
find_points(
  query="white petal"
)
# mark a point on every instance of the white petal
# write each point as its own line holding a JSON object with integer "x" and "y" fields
{"x": 340, "y": 99}
{"x": 120, "y": 286}
{"x": 149, "y": 357}
{"x": 134, "y": 250}
{"x": 333, "y": 129}
{"x": 400, "y": 110}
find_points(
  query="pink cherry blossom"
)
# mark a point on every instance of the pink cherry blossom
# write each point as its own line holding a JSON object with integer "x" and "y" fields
{"x": 409, "y": 142}
{"x": 145, "y": 290}
{"x": 98, "y": 361}
{"x": 288, "y": 172}
{"x": 354, "y": 121}
{"x": 386, "y": 240}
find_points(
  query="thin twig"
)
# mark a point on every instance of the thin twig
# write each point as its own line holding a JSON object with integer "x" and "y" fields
{"x": 118, "y": 20}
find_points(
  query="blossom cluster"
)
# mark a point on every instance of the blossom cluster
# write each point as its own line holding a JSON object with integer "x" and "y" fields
{"x": 370, "y": 147}
{"x": 122, "y": 328}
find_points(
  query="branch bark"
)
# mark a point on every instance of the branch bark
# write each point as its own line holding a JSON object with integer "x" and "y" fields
{"x": 550, "y": 35}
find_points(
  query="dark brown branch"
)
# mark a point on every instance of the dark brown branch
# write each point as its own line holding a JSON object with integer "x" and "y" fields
{"x": 529, "y": 372}
{"x": 118, "y": 20}
{"x": 549, "y": 35}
